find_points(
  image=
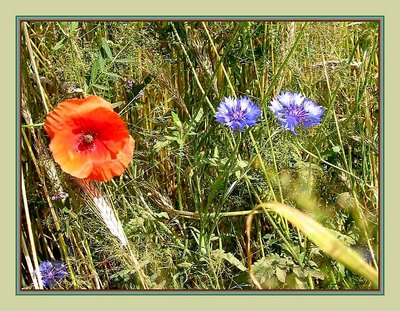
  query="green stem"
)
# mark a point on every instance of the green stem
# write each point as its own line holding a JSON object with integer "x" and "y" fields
{"x": 264, "y": 170}
{"x": 192, "y": 67}
{"x": 32, "y": 125}
{"x": 363, "y": 221}
{"x": 218, "y": 59}
{"x": 62, "y": 245}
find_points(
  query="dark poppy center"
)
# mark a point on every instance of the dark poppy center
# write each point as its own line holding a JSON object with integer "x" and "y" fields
{"x": 88, "y": 138}
{"x": 86, "y": 142}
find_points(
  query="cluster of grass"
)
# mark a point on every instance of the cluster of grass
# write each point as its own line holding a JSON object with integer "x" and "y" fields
{"x": 184, "y": 199}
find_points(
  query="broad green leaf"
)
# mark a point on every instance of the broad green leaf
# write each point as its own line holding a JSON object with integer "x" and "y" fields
{"x": 176, "y": 119}
{"x": 94, "y": 71}
{"x": 73, "y": 27}
{"x": 59, "y": 44}
{"x": 112, "y": 75}
{"x": 281, "y": 274}
{"x": 219, "y": 253}
{"x": 106, "y": 48}
{"x": 101, "y": 87}
{"x": 199, "y": 115}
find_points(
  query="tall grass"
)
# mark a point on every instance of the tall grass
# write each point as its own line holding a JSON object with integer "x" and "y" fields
{"x": 176, "y": 219}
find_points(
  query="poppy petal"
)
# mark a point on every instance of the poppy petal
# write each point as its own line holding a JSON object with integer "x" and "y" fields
{"x": 108, "y": 126}
{"x": 55, "y": 121}
{"x": 72, "y": 162}
{"x": 106, "y": 169}
{"x": 125, "y": 155}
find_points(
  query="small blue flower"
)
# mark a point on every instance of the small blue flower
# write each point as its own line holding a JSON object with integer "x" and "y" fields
{"x": 293, "y": 109}
{"x": 52, "y": 272}
{"x": 237, "y": 113}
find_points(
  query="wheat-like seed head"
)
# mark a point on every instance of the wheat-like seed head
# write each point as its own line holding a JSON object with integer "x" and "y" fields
{"x": 104, "y": 210}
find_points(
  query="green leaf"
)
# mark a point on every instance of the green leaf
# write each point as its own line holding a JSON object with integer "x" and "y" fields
{"x": 94, "y": 71}
{"x": 176, "y": 120}
{"x": 336, "y": 149}
{"x": 162, "y": 215}
{"x": 216, "y": 153}
{"x": 106, "y": 48}
{"x": 113, "y": 75}
{"x": 59, "y": 44}
{"x": 242, "y": 163}
{"x": 125, "y": 61}
{"x": 314, "y": 273}
{"x": 265, "y": 268}
{"x": 281, "y": 274}
{"x": 184, "y": 265}
{"x": 298, "y": 272}
{"x": 101, "y": 61}
{"x": 67, "y": 229}
{"x": 101, "y": 87}
{"x": 161, "y": 144}
{"x": 199, "y": 115}
{"x": 220, "y": 254}
{"x": 73, "y": 27}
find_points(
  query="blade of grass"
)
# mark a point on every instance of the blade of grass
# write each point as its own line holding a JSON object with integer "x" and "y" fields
{"x": 323, "y": 238}
{"x": 35, "y": 70}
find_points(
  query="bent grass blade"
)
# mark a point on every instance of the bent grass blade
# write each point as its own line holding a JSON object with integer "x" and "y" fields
{"x": 320, "y": 236}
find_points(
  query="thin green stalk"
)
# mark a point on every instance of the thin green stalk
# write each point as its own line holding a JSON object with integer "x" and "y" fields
{"x": 363, "y": 222}
{"x": 91, "y": 264}
{"x": 218, "y": 58}
{"x": 37, "y": 281}
{"x": 34, "y": 272}
{"x": 34, "y": 67}
{"x": 32, "y": 125}
{"x": 192, "y": 67}
{"x": 178, "y": 174}
{"x": 264, "y": 170}
{"x": 62, "y": 244}
{"x": 272, "y": 222}
{"x": 283, "y": 65}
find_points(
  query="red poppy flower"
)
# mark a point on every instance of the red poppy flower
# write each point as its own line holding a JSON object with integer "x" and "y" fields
{"x": 88, "y": 139}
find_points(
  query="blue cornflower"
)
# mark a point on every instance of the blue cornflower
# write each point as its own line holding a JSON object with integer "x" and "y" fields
{"x": 237, "y": 113}
{"x": 293, "y": 109}
{"x": 52, "y": 272}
